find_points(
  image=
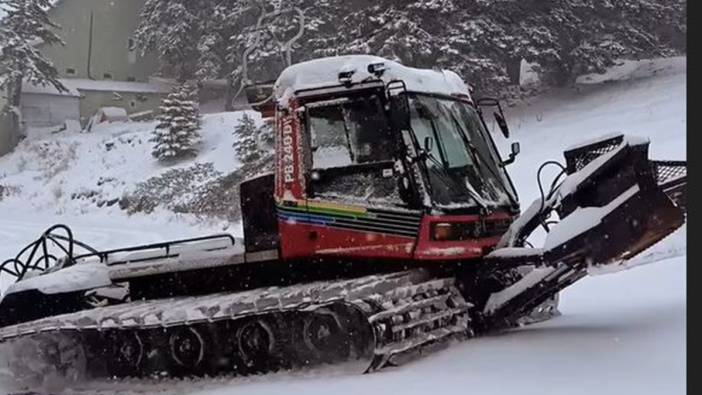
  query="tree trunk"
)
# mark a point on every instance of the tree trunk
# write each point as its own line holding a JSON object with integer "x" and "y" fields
{"x": 12, "y": 118}
{"x": 15, "y": 92}
{"x": 514, "y": 70}
{"x": 229, "y": 96}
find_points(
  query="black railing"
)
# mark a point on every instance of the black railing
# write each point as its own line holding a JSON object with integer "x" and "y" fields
{"x": 58, "y": 246}
{"x": 39, "y": 254}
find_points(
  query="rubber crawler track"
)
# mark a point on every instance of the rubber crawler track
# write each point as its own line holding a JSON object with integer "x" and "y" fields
{"x": 374, "y": 319}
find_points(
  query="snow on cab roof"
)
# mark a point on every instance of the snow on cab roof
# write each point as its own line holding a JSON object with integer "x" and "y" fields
{"x": 324, "y": 72}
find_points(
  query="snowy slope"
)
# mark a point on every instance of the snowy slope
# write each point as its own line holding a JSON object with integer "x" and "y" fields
{"x": 607, "y": 342}
{"x": 47, "y": 170}
{"x": 619, "y": 334}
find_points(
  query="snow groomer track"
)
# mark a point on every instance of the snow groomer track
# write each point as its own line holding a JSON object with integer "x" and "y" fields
{"x": 378, "y": 318}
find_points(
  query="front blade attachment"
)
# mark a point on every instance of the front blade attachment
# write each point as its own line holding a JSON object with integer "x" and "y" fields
{"x": 613, "y": 204}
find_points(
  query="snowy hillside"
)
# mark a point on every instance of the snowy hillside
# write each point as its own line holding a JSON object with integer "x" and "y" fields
{"x": 619, "y": 334}
{"x": 48, "y": 168}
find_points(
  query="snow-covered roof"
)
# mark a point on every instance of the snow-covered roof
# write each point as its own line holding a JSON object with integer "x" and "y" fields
{"x": 48, "y": 89}
{"x": 119, "y": 86}
{"x": 324, "y": 72}
{"x": 76, "y": 85}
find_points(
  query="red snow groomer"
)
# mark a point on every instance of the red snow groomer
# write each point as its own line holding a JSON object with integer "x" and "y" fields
{"x": 389, "y": 227}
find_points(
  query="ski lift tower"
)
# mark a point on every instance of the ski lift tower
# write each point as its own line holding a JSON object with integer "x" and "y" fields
{"x": 259, "y": 94}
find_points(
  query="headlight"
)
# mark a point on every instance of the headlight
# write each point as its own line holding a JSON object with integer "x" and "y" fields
{"x": 443, "y": 231}
{"x": 458, "y": 231}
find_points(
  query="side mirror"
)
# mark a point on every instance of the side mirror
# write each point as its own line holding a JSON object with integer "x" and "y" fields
{"x": 399, "y": 112}
{"x": 502, "y": 123}
{"x": 516, "y": 149}
{"x": 428, "y": 144}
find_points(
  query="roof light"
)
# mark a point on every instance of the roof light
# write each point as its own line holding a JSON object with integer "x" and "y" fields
{"x": 345, "y": 76}
{"x": 377, "y": 69}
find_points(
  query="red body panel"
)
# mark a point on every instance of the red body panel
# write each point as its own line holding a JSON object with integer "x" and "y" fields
{"x": 428, "y": 249}
{"x": 304, "y": 241}
{"x": 300, "y": 240}
{"x": 289, "y": 180}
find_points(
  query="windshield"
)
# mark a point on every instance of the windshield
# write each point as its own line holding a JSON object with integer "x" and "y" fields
{"x": 462, "y": 166}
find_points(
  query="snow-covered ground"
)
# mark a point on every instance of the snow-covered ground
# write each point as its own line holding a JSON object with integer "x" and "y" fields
{"x": 619, "y": 333}
{"x": 46, "y": 172}
{"x": 49, "y": 168}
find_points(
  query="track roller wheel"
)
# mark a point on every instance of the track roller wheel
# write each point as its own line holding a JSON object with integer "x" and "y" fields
{"x": 187, "y": 348}
{"x": 127, "y": 353}
{"x": 257, "y": 345}
{"x": 325, "y": 337}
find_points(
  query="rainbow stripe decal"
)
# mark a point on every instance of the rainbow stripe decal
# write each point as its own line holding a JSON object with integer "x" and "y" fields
{"x": 400, "y": 223}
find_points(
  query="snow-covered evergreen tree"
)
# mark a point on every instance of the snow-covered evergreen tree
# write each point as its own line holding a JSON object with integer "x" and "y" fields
{"x": 178, "y": 131}
{"x": 192, "y": 37}
{"x": 170, "y": 29}
{"x": 246, "y": 140}
{"x": 483, "y": 40}
{"x": 26, "y": 24}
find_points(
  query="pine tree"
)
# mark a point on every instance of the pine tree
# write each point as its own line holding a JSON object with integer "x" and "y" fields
{"x": 246, "y": 140}
{"x": 26, "y": 24}
{"x": 483, "y": 40}
{"x": 170, "y": 29}
{"x": 178, "y": 131}
{"x": 192, "y": 37}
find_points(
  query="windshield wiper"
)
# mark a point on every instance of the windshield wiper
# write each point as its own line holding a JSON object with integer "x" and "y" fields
{"x": 482, "y": 162}
{"x": 445, "y": 174}
{"x": 449, "y": 181}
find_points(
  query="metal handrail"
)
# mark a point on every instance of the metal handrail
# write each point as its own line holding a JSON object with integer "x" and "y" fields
{"x": 39, "y": 254}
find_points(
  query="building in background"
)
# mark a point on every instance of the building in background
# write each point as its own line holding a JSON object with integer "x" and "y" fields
{"x": 99, "y": 37}
{"x": 101, "y": 67}
{"x": 99, "y": 64}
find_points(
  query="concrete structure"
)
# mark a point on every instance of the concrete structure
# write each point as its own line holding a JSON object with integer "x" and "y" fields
{"x": 45, "y": 106}
{"x": 99, "y": 37}
{"x": 100, "y": 65}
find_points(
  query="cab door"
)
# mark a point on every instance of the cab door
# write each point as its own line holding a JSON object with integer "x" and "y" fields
{"x": 353, "y": 203}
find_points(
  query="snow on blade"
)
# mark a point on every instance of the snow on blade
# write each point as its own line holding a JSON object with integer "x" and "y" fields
{"x": 513, "y": 252}
{"x": 498, "y": 299}
{"x": 573, "y": 181}
{"x": 672, "y": 247}
{"x": 583, "y": 219}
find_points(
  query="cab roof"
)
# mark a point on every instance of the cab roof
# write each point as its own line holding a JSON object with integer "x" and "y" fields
{"x": 325, "y": 72}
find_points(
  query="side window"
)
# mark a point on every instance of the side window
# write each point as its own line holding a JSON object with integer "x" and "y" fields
{"x": 349, "y": 133}
{"x": 352, "y": 151}
{"x": 329, "y": 139}
{"x": 369, "y": 132}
